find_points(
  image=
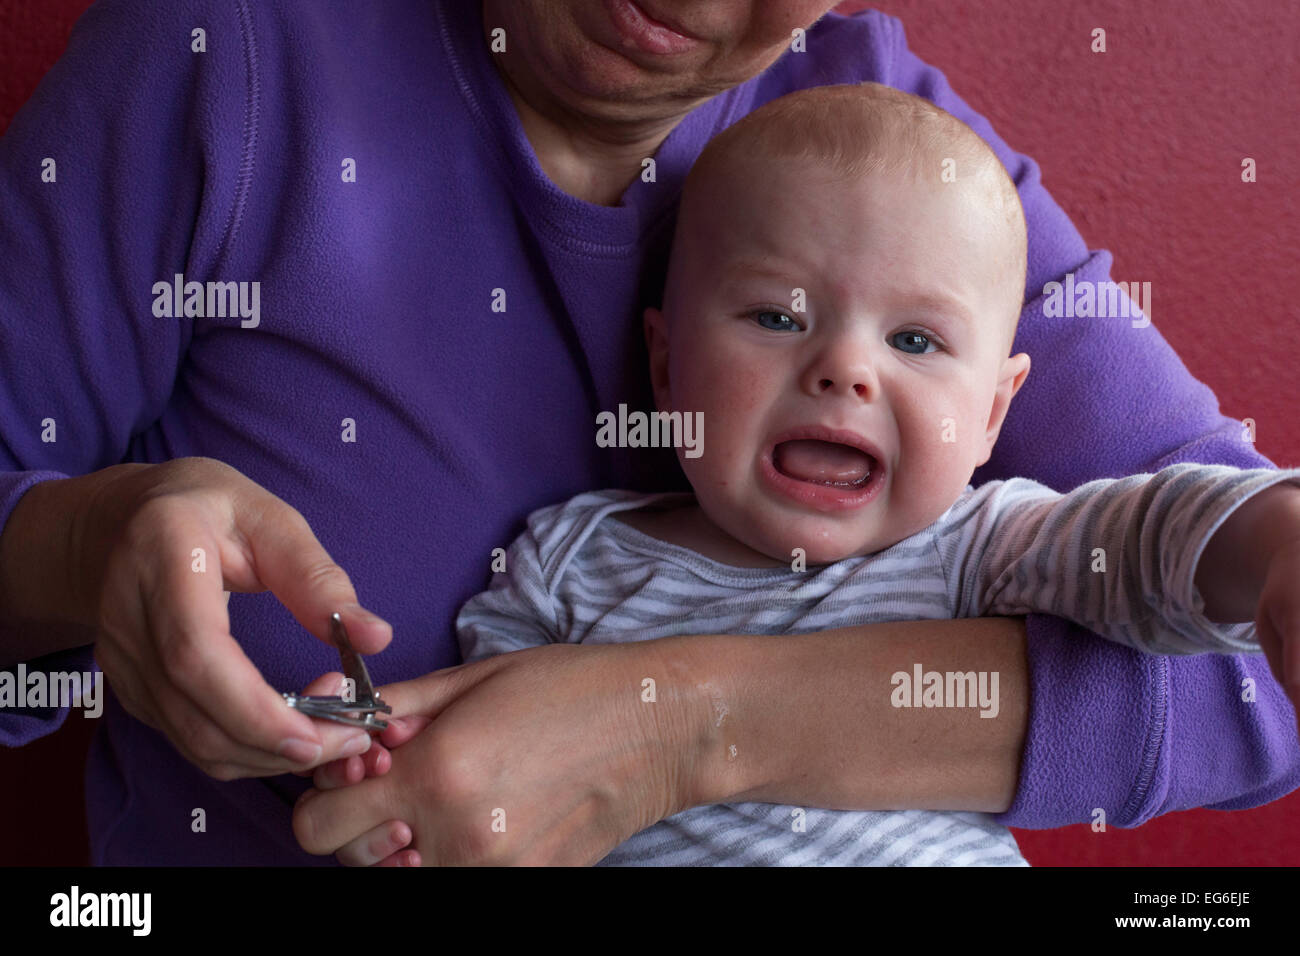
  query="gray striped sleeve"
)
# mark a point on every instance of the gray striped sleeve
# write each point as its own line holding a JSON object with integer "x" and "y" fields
{"x": 1117, "y": 556}
{"x": 516, "y": 611}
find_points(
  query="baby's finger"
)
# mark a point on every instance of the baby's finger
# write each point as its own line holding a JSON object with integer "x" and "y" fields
{"x": 378, "y": 760}
{"x": 380, "y": 843}
{"x": 375, "y": 762}
{"x": 339, "y": 773}
{"x": 402, "y": 729}
{"x": 402, "y": 858}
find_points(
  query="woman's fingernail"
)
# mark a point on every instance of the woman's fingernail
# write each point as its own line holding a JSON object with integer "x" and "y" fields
{"x": 299, "y": 751}
{"x": 364, "y": 615}
{"x": 357, "y": 745}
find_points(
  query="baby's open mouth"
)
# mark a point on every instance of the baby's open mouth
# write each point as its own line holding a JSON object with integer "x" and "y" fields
{"x": 823, "y": 463}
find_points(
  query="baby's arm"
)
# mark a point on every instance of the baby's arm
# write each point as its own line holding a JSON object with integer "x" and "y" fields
{"x": 1121, "y": 556}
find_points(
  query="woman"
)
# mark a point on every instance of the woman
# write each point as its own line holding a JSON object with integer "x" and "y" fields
{"x": 454, "y": 213}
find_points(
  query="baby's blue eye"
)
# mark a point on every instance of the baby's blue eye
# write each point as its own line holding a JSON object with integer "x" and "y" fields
{"x": 776, "y": 321}
{"x": 913, "y": 337}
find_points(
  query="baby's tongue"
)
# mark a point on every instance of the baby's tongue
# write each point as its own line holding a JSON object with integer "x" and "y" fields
{"x": 808, "y": 459}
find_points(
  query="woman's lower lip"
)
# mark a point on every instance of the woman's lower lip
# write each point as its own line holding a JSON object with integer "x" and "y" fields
{"x": 821, "y": 497}
{"x": 648, "y": 35}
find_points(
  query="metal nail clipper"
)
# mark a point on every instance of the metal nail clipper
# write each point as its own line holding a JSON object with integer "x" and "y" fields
{"x": 359, "y": 710}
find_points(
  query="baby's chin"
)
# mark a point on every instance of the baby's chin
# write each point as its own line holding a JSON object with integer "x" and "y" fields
{"x": 811, "y": 548}
{"x": 830, "y": 554}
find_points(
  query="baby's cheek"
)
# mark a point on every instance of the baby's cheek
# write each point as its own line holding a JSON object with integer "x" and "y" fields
{"x": 955, "y": 433}
{"x": 934, "y": 467}
{"x": 727, "y": 423}
{"x": 720, "y": 461}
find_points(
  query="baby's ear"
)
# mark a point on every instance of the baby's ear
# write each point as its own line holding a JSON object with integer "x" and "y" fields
{"x": 1011, "y": 376}
{"x": 656, "y": 342}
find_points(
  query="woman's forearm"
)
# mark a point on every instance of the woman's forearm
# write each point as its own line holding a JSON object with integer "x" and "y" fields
{"x": 810, "y": 720}
{"x": 40, "y": 555}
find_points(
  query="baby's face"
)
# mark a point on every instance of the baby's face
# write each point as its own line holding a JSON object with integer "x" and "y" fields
{"x": 896, "y": 342}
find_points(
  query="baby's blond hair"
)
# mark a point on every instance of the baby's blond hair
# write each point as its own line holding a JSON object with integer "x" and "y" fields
{"x": 865, "y": 129}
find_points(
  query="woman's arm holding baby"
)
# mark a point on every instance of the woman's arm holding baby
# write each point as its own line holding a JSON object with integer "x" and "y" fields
{"x": 812, "y": 721}
{"x": 555, "y": 754}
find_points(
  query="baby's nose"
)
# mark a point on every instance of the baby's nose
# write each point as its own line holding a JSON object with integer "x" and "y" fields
{"x": 861, "y": 388}
{"x": 844, "y": 366}
{"x": 850, "y": 378}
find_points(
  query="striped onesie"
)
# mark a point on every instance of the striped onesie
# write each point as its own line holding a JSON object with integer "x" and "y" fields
{"x": 1006, "y": 548}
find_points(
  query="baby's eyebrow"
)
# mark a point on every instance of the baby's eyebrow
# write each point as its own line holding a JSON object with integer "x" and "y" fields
{"x": 938, "y": 304}
{"x": 749, "y": 268}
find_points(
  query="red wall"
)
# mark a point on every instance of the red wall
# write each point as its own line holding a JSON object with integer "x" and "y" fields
{"x": 1142, "y": 146}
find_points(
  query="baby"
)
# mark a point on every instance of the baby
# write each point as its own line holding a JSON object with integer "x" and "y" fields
{"x": 846, "y": 277}
{"x": 842, "y": 298}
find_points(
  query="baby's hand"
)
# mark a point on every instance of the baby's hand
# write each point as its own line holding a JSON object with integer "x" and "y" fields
{"x": 1277, "y": 620}
{"x": 375, "y": 762}
{"x": 337, "y": 773}
{"x": 386, "y": 844}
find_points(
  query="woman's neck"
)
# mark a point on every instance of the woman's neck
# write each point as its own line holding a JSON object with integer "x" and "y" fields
{"x": 594, "y": 161}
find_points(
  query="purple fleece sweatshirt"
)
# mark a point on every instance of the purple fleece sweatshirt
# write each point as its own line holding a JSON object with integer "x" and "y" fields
{"x": 377, "y": 306}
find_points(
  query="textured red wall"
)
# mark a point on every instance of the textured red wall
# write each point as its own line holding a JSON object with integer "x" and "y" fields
{"x": 1142, "y": 146}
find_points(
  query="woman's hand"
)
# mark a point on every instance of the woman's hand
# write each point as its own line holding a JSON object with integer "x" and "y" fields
{"x": 550, "y": 755}
{"x": 162, "y": 627}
